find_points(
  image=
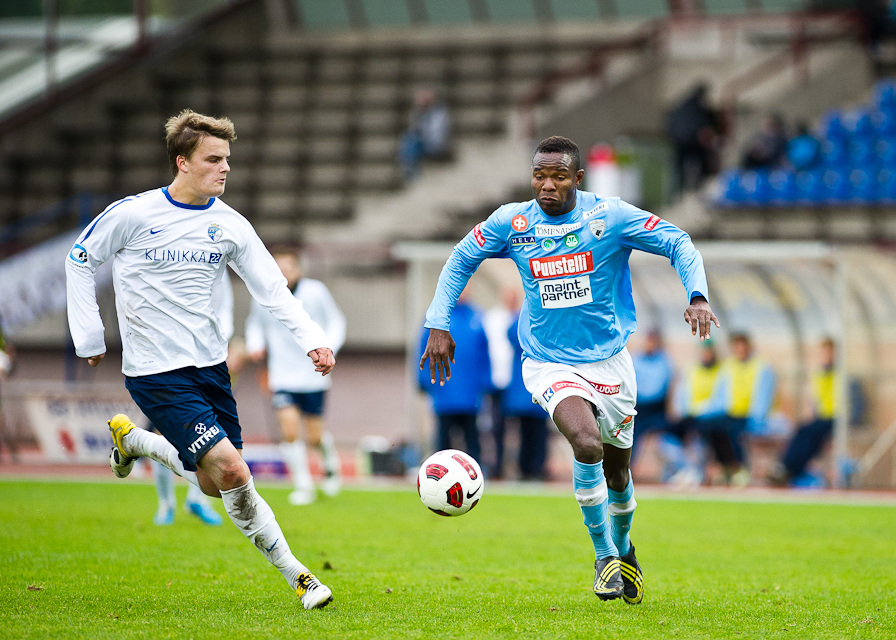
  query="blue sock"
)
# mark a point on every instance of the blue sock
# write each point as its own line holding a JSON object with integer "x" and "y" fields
{"x": 622, "y": 510}
{"x": 591, "y": 494}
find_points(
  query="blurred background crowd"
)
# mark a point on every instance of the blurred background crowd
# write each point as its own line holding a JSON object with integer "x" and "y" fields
{"x": 373, "y": 134}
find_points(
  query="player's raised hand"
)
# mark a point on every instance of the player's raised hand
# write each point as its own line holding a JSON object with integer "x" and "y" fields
{"x": 440, "y": 351}
{"x": 323, "y": 360}
{"x": 94, "y": 361}
{"x": 700, "y": 316}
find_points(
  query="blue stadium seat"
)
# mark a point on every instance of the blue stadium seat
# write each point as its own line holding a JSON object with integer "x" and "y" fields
{"x": 834, "y": 152}
{"x": 832, "y": 126}
{"x": 863, "y": 184}
{"x": 809, "y": 187}
{"x": 836, "y": 186}
{"x": 885, "y": 95}
{"x": 755, "y": 187}
{"x": 732, "y": 194}
{"x": 884, "y": 122}
{"x": 857, "y": 122}
{"x": 861, "y": 149}
{"x": 886, "y": 184}
{"x": 885, "y": 150}
{"x": 783, "y": 187}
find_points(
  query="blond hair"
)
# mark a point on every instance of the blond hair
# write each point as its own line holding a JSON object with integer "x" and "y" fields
{"x": 185, "y": 131}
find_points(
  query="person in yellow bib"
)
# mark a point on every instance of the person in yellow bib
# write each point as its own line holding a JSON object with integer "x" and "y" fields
{"x": 811, "y": 437}
{"x": 741, "y": 401}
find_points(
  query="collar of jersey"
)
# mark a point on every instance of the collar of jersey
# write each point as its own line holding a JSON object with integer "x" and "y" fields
{"x": 210, "y": 202}
{"x": 560, "y": 219}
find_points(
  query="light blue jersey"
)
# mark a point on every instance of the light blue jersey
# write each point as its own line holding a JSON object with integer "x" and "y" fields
{"x": 575, "y": 272}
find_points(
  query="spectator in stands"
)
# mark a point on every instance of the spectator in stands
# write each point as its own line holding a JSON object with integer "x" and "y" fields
{"x": 653, "y": 374}
{"x": 517, "y": 404}
{"x": 768, "y": 148}
{"x": 693, "y": 128}
{"x": 497, "y": 321}
{"x": 7, "y": 357}
{"x": 741, "y": 402}
{"x": 456, "y": 405}
{"x": 429, "y": 134}
{"x": 811, "y": 437}
{"x": 804, "y": 149}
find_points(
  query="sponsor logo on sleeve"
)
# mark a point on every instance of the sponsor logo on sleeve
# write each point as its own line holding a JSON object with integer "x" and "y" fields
{"x": 559, "y": 266}
{"x": 215, "y": 232}
{"x": 477, "y": 233}
{"x": 603, "y": 206}
{"x": 78, "y": 254}
{"x": 651, "y": 223}
{"x": 519, "y": 223}
{"x": 565, "y": 293}
{"x": 559, "y": 386}
{"x": 554, "y": 230}
{"x": 522, "y": 241}
{"x": 571, "y": 241}
{"x": 597, "y": 228}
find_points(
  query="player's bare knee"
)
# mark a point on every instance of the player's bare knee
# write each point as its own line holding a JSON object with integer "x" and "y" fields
{"x": 587, "y": 446}
{"x": 233, "y": 474}
{"x": 617, "y": 479}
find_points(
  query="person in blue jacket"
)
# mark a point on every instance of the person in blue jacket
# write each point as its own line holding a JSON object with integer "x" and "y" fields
{"x": 571, "y": 249}
{"x": 516, "y": 402}
{"x": 456, "y": 406}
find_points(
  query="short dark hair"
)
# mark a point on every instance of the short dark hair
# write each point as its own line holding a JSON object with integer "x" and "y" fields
{"x": 740, "y": 336}
{"x": 559, "y": 144}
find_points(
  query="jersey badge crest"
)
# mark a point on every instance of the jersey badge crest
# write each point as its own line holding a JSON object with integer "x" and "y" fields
{"x": 215, "y": 232}
{"x": 571, "y": 241}
{"x": 78, "y": 254}
{"x": 597, "y": 228}
{"x": 547, "y": 244}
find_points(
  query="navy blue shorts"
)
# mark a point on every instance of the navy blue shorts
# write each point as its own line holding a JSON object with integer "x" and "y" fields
{"x": 310, "y": 403}
{"x": 192, "y": 407}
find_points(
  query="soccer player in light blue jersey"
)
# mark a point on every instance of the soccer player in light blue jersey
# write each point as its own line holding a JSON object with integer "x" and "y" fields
{"x": 571, "y": 248}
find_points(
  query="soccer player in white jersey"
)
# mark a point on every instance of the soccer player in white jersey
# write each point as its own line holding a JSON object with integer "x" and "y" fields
{"x": 571, "y": 249}
{"x": 170, "y": 248}
{"x": 298, "y": 392}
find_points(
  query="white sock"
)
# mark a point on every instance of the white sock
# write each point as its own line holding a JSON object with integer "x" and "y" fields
{"x": 295, "y": 455}
{"x": 164, "y": 481}
{"x": 140, "y": 442}
{"x": 254, "y": 518}
{"x": 332, "y": 464}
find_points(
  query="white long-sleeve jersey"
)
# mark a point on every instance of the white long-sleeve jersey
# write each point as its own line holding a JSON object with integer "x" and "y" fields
{"x": 168, "y": 258}
{"x": 287, "y": 370}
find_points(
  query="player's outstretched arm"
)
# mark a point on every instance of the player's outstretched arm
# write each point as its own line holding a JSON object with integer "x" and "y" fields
{"x": 323, "y": 360}
{"x": 440, "y": 351}
{"x": 700, "y": 316}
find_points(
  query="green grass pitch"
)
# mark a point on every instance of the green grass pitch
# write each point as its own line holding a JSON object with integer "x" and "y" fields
{"x": 84, "y": 560}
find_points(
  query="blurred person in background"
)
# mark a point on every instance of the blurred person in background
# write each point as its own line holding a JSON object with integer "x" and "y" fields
{"x": 767, "y": 149}
{"x": 429, "y": 133}
{"x": 196, "y": 503}
{"x": 681, "y": 447}
{"x": 516, "y": 403}
{"x": 457, "y": 405}
{"x": 298, "y": 392}
{"x": 7, "y": 360}
{"x": 693, "y": 128}
{"x": 496, "y": 322}
{"x": 654, "y": 374}
{"x": 804, "y": 149}
{"x": 740, "y": 404}
{"x": 812, "y": 436}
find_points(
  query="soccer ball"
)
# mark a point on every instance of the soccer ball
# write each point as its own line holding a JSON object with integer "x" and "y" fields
{"x": 450, "y": 482}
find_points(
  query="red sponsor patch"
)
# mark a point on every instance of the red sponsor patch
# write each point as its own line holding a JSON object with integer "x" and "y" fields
{"x": 519, "y": 223}
{"x": 606, "y": 389}
{"x": 557, "y": 386}
{"x": 651, "y": 223}
{"x": 560, "y": 266}
{"x": 477, "y": 233}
